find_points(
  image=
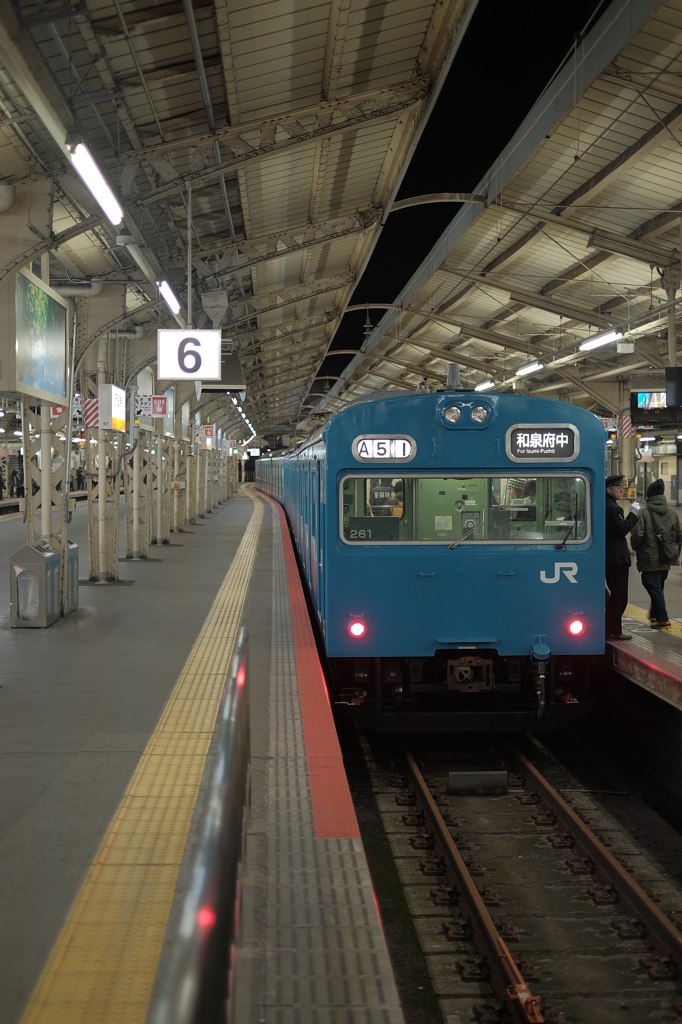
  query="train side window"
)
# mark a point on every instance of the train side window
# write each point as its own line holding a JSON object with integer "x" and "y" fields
{"x": 474, "y": 509}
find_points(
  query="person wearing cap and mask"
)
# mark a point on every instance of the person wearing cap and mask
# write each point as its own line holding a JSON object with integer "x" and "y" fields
{"x": 618, "y": 526}
{"x": 656, "y": 517}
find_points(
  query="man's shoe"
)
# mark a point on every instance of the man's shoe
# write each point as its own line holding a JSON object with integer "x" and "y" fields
{"x": 619, "y": 636}
{"x": 661, "y": 625}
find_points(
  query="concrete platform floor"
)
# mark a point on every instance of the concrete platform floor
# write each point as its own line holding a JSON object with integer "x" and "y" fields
{"x": 78, "y": 702}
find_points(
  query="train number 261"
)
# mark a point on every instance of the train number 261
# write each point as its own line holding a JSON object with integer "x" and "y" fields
{"x": 360, "y": 534}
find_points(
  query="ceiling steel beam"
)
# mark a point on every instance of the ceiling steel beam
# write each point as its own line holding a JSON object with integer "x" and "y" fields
{"x": 598, "y": 181}
{"x": 607, "y": 241}
{"x": 539, "y": 301}
{"x": 311, "y": 351}
{"x": 276, "y": 335}
{"x": 255, "y": 140}
{"x": 247, "y": 252}
{"x": 256, "y": 305}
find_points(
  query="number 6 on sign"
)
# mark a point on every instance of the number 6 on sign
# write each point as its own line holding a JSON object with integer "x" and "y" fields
{"x": 188, "y": 355}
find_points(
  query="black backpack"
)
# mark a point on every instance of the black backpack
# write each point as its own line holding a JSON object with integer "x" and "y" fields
{"x": 668, "y": 543}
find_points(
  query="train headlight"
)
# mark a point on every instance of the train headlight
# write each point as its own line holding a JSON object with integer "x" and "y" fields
{"x": 576, "y": 627}
{"x": 479, "y": 414}
{"x": 453, "y": 414}
{"x": 357, "y": 629}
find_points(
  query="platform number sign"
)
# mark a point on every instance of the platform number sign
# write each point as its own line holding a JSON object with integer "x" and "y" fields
{"x": 548, "y": 442}
{"x": 188, "y": 355}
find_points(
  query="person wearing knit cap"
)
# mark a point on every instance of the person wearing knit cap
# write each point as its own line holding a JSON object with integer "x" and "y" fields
{"x": 617, "y": 556}
{"x": 654, "y": 519}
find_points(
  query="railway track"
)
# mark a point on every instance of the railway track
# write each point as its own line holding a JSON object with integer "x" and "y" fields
{"x": 531, "y": 903}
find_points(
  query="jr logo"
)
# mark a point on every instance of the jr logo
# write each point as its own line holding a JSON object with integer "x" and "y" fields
{"x": 569, "y": 569}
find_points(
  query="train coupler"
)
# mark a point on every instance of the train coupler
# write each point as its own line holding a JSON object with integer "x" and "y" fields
{"x": 540, "y": 654}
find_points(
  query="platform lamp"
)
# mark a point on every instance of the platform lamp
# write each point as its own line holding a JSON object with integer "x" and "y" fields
{"x": 85, "y": 166}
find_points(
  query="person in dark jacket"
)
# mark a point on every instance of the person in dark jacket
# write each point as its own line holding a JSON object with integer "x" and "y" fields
{"x": 618, "y": 560}
{"x": 655, "y": 517}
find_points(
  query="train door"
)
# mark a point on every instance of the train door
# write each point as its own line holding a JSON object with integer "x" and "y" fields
{"x": 314, "y": 526}
{"x": 306, "y": 534}
{"x": 322, "y": 547}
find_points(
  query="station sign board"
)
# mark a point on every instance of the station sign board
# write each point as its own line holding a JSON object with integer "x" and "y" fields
{"x": 188, "y": 355}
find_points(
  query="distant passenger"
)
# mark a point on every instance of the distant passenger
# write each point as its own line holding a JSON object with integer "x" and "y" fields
{"x": 382, "y": 499}
{"x": 618, "y": 559}
{"x": 655, "y": 519}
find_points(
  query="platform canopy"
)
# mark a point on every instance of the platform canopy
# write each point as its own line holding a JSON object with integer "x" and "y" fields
{"x": 270, "y": 137}
{"x": 573, "y": 234}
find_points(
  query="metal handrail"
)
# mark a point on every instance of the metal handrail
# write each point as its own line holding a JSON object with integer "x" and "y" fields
{"x": 198, "y": 982}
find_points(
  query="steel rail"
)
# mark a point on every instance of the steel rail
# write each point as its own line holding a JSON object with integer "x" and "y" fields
{"x": 662, "y": 932}
{"x": 506, "y": 979}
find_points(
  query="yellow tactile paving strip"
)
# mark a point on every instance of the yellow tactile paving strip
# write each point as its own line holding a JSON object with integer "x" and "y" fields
{"x": 639, "y": 615}
{"x": 103, "y": 964}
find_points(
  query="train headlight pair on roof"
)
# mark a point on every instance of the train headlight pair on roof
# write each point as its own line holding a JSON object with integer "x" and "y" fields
{"x": 453, "y": 413}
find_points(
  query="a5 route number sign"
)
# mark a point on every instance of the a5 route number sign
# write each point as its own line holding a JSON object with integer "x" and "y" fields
{"x": 188, "y": 355}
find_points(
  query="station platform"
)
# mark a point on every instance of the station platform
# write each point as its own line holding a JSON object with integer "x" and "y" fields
{"x": 107, "y": 738}
{"x": 653, "y": 657}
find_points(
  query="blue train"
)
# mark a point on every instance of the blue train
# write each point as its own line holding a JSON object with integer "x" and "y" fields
{"x": 453, "y": 547}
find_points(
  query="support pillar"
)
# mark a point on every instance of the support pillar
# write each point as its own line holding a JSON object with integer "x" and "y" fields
{"x": 671, "y": 282}
{"x": 102, "y": 468}
{"x": 45, "y": 474}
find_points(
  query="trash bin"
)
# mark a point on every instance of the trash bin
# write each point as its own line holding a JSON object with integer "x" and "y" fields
{"x": 34, "y": 586}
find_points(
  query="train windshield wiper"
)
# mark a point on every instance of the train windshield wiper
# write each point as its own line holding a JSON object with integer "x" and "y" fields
{"x": 463, "y": 537}
{"x": 569, "y": 531}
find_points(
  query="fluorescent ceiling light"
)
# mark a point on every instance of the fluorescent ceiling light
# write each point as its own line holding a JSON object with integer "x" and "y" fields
{"x": 523, "y": 371}
{"x": 485, "y": 385}
{"x": 647, "y": 438}
{"x": 93, "y": 179}
{"x": 169, "y": 296}
{"x": 601, "y": 339}
{"x": 234, "y": 400}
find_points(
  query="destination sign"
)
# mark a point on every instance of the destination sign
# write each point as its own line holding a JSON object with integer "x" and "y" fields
{"x": 556, "y": 442}
{"x": 392, "y": 448}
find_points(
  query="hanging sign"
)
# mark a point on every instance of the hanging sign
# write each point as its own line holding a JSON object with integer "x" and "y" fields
{"x": 57, "y": 410}
{"x": 188, "y": 355}
{"x": 206, "y": 430}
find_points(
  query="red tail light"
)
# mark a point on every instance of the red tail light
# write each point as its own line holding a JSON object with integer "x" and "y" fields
{"x": 206, "y": 917}
{"x": 576, "y": 627}
{"x": 357, "y": 629}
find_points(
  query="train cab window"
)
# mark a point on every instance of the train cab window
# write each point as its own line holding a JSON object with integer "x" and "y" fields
{"x": 517, "y": 509}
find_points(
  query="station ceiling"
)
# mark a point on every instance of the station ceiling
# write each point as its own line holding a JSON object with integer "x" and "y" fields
{"x": 284, "y": 130}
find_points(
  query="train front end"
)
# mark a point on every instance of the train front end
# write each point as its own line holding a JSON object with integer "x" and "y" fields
{"x": 464, "y": 561}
